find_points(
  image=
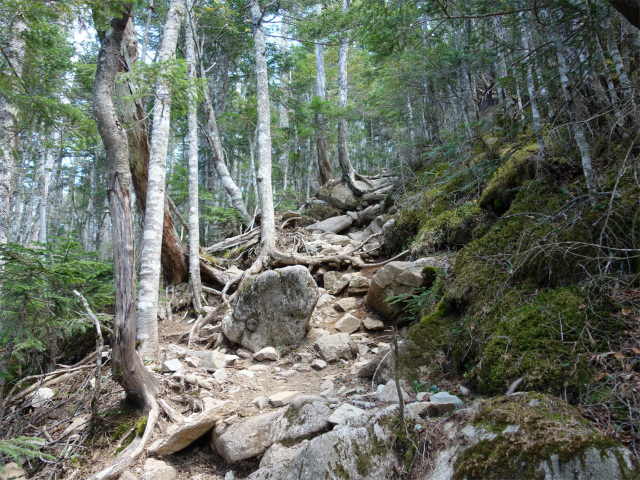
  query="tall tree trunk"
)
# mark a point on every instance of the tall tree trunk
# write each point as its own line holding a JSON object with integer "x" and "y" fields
{"x": 324, "y": 166}
{"x": 612, "y": 43}
{"x": 45, "y": 179}
{"x": 154, "y": 214}
{"x": 132, "y": 114}
{"x": 194, "y": 228}
{"x": 283, "y": 121}
{"x": 348, "y": 173}
{"x": 527, "y": 43}
{"x": 576, "y": 122}
{"x": 263, "y": 141}
{"x": 8, "y": 121}
{"x": 212, "y": 135}
{"x": 139, "y": 384}
{"x": 222, "y": 82}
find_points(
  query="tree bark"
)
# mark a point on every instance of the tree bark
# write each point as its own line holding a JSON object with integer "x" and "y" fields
{"x": 324, "y": 166}
{"x": 265, "y": 191}
{"x": 15, "y": 52}
{"x": 154, "y": 213}
{"x": 348, "y": 173}
{"x": 128, "y": 370}
{"x": 131, "y": 114}
{"x": 194, "y": 229}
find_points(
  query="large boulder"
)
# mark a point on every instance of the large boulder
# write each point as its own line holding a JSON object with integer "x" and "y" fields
{"x": 395, "y": 279}
{"x": 339, "y": 196}
{"x": 525, "y": 436}
{"x": 333, "y": 224}
{"x": 359, "y": 450}
{"x": 273, "y": 308}
{"x": 334, "y": 347}
{"x": 248, "y": 438}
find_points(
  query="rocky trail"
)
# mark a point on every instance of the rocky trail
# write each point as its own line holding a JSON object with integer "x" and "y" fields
{"x": 298, "y": 381}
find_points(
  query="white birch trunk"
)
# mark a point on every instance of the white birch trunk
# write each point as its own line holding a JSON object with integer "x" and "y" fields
{"x": 194, "y": 229}
{"x": 8, "y": 122}
{"x": 265, "y": 191}
{"x": 284, "y": 119}
{"x": 45, "y": 180}
{"x": 527, "y": 43}
{"x": 617, "y": 59}
{"x": 147, "y": 320}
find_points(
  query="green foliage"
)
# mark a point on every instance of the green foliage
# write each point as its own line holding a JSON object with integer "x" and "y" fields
{"x": 22, "y": 448}
{"x": 36, "y": 293}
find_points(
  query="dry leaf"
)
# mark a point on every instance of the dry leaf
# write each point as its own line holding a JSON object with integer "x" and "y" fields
{"x": 618, "y": 356}
{"x": 635, "y": 350}
{"x": 626, "y": 312}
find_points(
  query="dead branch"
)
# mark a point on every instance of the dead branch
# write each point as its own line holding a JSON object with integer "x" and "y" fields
{"x": 202, "y": 320}
{"x": 233, "y": 241}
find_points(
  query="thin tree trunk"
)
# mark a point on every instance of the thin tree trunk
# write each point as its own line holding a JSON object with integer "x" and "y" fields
{"x": 617, "y": 59}
{"x": 324, "y": 166}
{"x": 222, "y": 82}
{"x": 128, "y": 370}
{"x": 263, "y": 141}
{"x": 131, "y": 114}
{"x": 348, "y": 173}
{"x": 15, "y": 52}
{"x": 194, "y": 230}
{"x": 45, "y": 179}
{"x": 613, "y": 95}
{"x": 154, "y": 214}
{"x": 527, "y": 43}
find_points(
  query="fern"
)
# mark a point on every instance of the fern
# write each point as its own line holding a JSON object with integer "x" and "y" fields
{"x": 22, "y": 448}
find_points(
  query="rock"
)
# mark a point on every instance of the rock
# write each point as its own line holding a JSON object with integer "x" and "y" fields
{"x": 394, "y": 279}
{"x": 423, "y": 396}
{"x": 318, "y": 364}
{"x": 78, "y": 425}
{"x": 359, "y": 451}
{"x": 172, "y": 365}
{"x": 286, "y": 373}
{"x": 153, "y": 464}
{"x": 249, "y": 437}
{"x": 343, "y": 413}
{"x": 193, "y": 362}
{"x": 244, "y": 353}
{"x": 356, "y": 236}
{"x": 389, "y": 393}
{"x": 230, "y": 475}
{"x": 348, "y": 324}
{"x": 333, "y": 224}
{"x": 463, "y": 390}
{"x": 282, "y": 398}
{"x": 195, "y": 427}
{"x": 341, "y": 240}
{"x": 382, "y": 366}
{"x": 340, "y": 284}
{"x": 331, "y": 250}
{"x": 267, "y": 353}
{"x": 273, "y": 308}
{"x": 302, "y": 367}
{"x": 330, "y": 278}
{"x": 373, "y": 324}
{"x": 259, "y": 368}
{"x": 125, "y": 476}
{"x": 362, "y": 349}
{"x": 41, "y": 397}
{"x": 345, "y": 304}
{"x": 340, "y": 196}
{"x": 445, "y": 397}
{"x": 439, "y": 409}
{"x": 325, "y": 299}
{"x": 220, "y": 374}
{"x": 13, "y": 471}
{"x": 315, "y": 333}
{"x": 162, "y": 473}
{"x": 527, "y": 448}
{"x": 246, "y": 373}
{"x": 175, "y": 351}
{"x": 260, "y": 402}
{"x": 214, "y": 359}
{"x": 278, "y": 453}
{"x": 334, "y": 347}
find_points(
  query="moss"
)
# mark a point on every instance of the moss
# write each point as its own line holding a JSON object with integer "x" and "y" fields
{"x": 141, "y": 424}
{"x": 429, "y": 274}
{"x": 502, "y": 188}
{"x": 546, "y": 426}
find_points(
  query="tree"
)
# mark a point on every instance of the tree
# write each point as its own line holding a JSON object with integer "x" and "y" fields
{"x": 154, "y": 214}
{"x": 194, "y": 227}
{"x": 139, "y": 384}
{"x": 324, "y": 167}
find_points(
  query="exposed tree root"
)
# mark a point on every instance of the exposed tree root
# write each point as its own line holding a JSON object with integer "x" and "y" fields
{"x": 209, "y": 313}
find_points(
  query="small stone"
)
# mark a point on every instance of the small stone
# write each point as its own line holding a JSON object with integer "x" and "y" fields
{"x": 315, "y": 333}
{"x": 318, "y": 364}
{"x": 125, "y": 476}
{"x": 327, "y": 384}
{"x": 341, "y": 283}
{"x": 282, "y": 398}
{"x": 305, "y": 357}
{"x": 287, "y": 373}
{"x": 362, "y": 349}
{"x": 244, "y": 353}
{"x": 342, "y": 390}
{"x": 246, "y": 373}
{"x": 214, "y": 359}
{"x": 389, "y": 394}
{"x": 78, "y": 425}
{"x": 172, "y": 365}
{"x": 343, "y": 413}
{"x": 41, "y": 397}
{"x": 259, "y": 368}
{"x": 345, "y": 304}
{"x": 231, "y": 420}
{"x": 162, "y": 473}
{"x": 445, "y": 397}
{"x": 348, "y": 324}
{"x": 302, "y": 367}
{"x": 359, "y": 285}
{"x": 193, "y": 362}
{"x": 383, "y": 345}
{"x": 152, "y": 464}
{"x": 175, "y": 351}
{"x": 423, "y": 396}
{"x": 373, "y": 324}
{"x": 260, "y": 402}
{"x": 220, "y": 374}
{"x": 267, "y": 353}
{"x": 439, "y": 409}
{"x": 463, "y": 390}
{"x": 230, "y": 475}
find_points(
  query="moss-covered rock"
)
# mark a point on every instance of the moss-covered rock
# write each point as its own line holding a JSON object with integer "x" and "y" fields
{"x": 536, "y": 436}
